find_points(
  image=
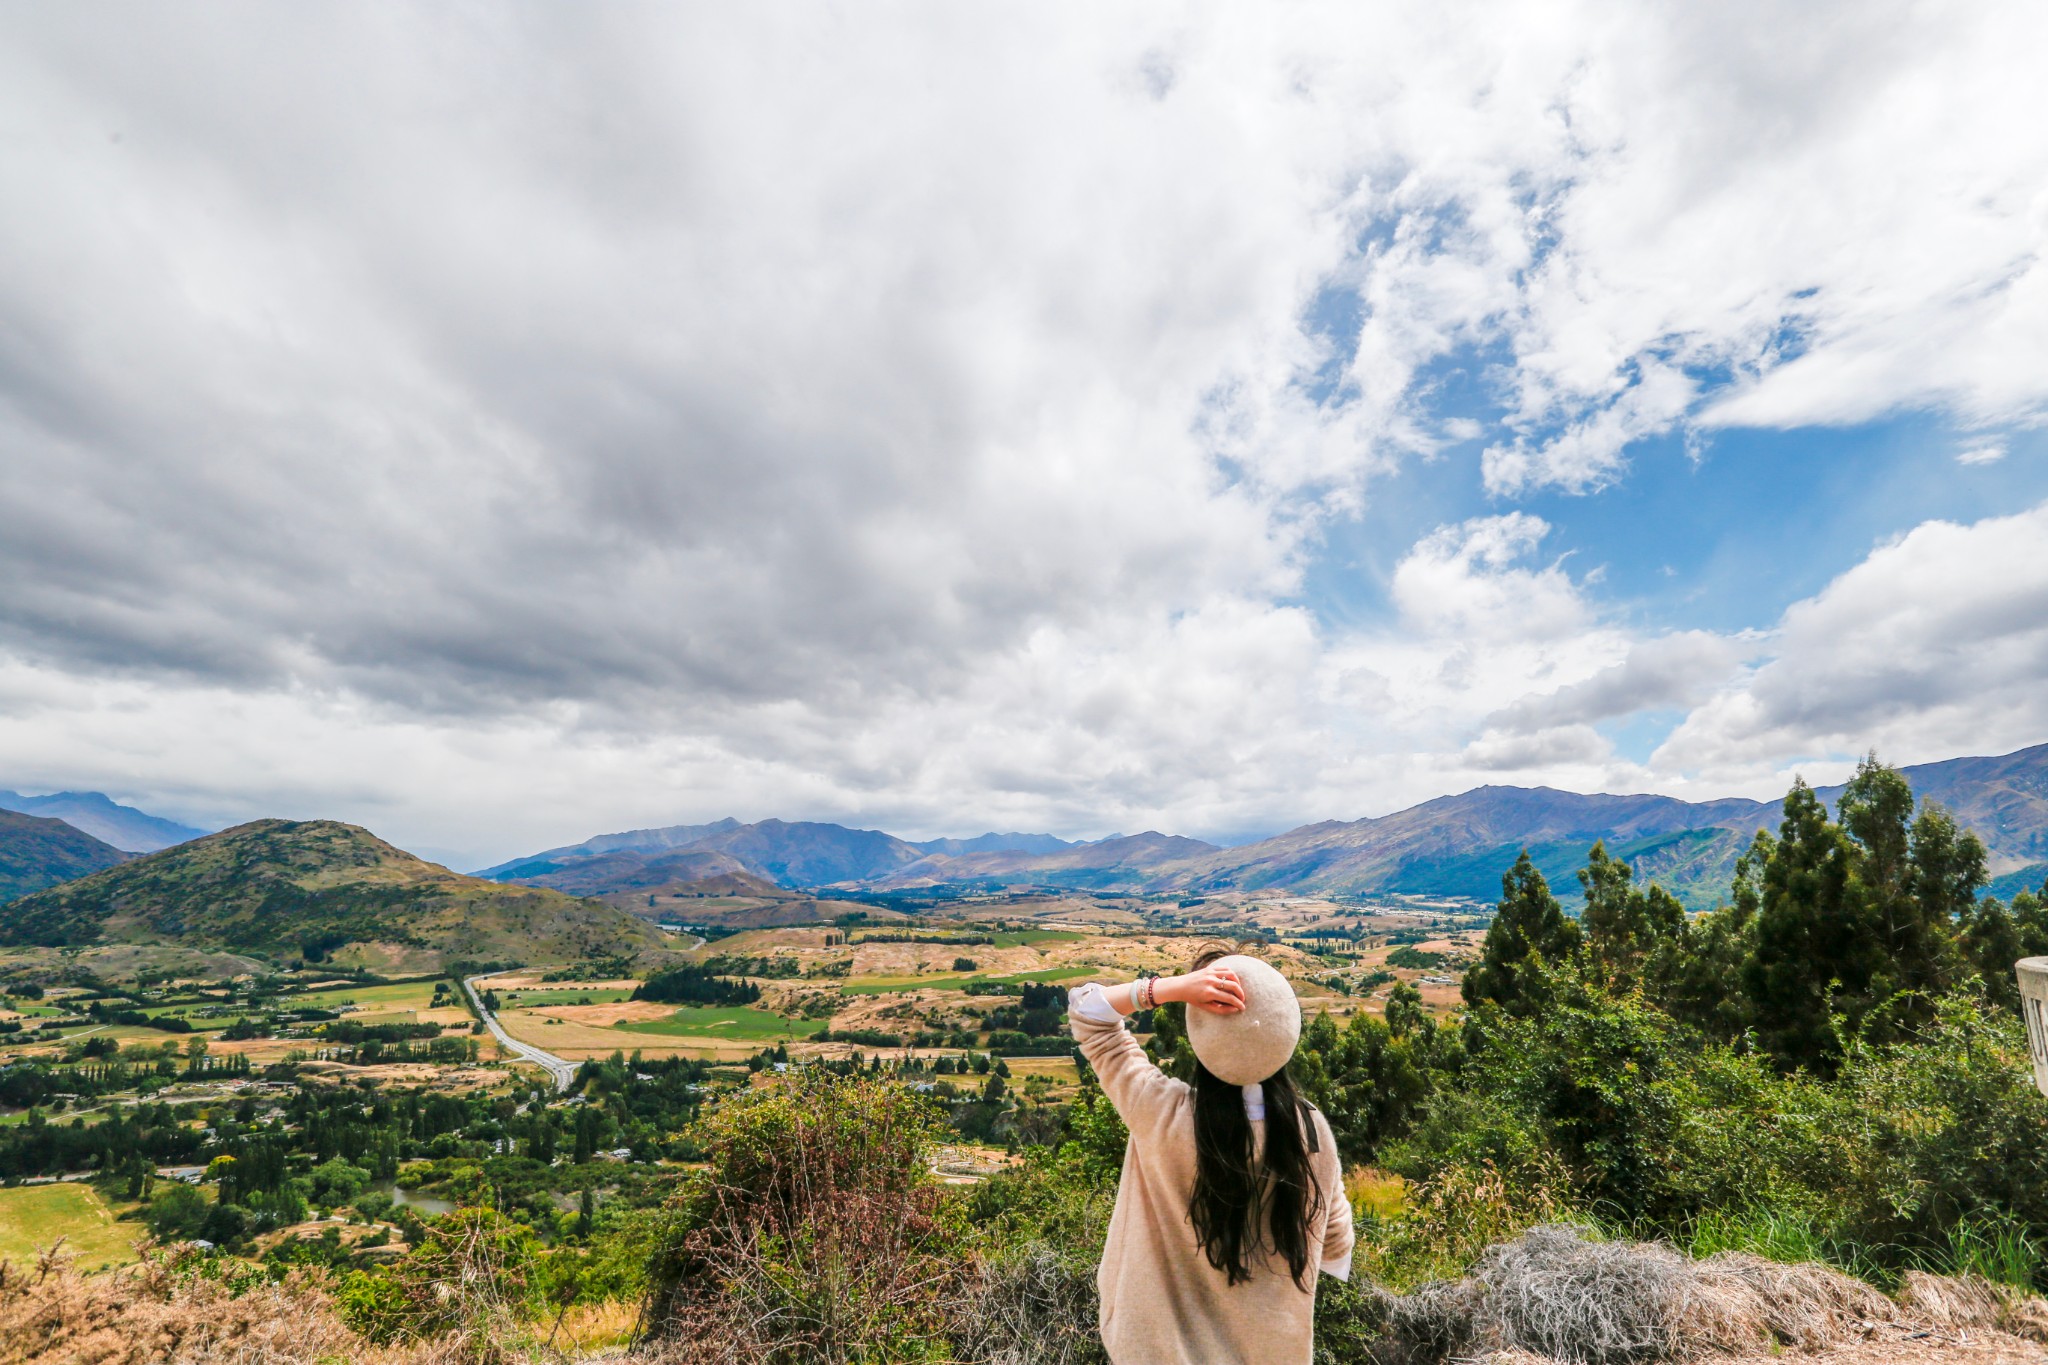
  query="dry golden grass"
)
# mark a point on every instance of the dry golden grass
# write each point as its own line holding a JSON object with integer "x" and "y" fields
{"x": 1376, "y": 1192}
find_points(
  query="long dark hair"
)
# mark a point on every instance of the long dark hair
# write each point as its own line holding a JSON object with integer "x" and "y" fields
{"x": 1236, "y": 1181}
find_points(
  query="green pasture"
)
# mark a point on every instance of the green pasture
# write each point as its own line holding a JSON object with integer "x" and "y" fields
{"x": 954, "y": 981}
{"x": 723, "y": 1021}
{"x": 34, "y": 1216}
{"x": 519, "y": 1000}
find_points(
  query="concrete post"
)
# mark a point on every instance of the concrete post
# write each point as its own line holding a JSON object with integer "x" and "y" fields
{"x": 2033, "y": 974}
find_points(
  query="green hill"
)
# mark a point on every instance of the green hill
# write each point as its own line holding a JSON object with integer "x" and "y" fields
{"x": 36, "y": 852}
{"x": 319, "y": 889}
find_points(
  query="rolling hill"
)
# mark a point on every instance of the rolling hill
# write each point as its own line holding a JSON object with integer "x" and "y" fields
{"x": 36, "y": 852}
{"x": 126, "y": 828}
{"x": 788, "y": 853}
{"x": 319, "y": 889}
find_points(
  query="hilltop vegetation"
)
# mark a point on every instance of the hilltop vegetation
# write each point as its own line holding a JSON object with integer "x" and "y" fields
{"x": 36, "y": 852}
{"x": 318, "y": 889}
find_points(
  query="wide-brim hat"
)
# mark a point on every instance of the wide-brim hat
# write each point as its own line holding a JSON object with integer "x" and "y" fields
{"x": 1250, "y": 1045}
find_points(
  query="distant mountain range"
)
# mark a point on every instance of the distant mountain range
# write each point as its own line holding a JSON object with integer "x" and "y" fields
{"x": 99, "y": 815}
{"x": 787, "y": 853}
{"x": 319, "y": 889}
{"x": 1453, "y": 846}
{"x": 36, "y": 852}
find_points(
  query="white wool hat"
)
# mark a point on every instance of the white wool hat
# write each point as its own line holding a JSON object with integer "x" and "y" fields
{"x": 1246, "y": 1047}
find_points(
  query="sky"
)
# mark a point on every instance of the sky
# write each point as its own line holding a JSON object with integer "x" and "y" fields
{"x": 496, "y": 424}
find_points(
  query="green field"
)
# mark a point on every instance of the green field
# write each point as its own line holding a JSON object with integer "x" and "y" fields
{"x": 724, "y": 1021}
{"x": 411, "y": 995}
{"x": 519, "y": 1000}
{"x": 1008, "y": 938}
{"x": 33, "y": 1216}
{"x": 950, "y": 981}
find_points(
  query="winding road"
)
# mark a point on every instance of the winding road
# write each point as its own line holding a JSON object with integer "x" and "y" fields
{"x": 560, "y": 1068}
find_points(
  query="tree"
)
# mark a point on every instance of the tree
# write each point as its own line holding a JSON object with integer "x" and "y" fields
{"x": 1529, "y": 936}
{"x": 1631, "y": 933}
{"x": 1919, "y": 880}
{"x": 1816, "y": 947}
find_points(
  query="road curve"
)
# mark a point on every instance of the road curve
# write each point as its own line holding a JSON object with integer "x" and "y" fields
{"x": 561, "y": 1069}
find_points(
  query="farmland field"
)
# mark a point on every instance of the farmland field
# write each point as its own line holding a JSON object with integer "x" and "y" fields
{"x": 516, "y": 999}
{"x": 951, "y": 981}
{"x": 34, "y": 1216}
{"x": 411, "y": 995}
{"x": 724, "y": 1021}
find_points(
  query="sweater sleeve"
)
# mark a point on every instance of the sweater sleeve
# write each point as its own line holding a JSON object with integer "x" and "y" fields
{"x": 1142, "y": 1093}
{"x": 1339, "y": 1237}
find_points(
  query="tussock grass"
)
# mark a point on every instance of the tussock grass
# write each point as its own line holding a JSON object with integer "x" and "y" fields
{"x": 1560, "y": 1293}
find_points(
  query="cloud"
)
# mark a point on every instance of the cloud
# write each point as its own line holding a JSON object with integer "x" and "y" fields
{"x": 1981, "y": 452}
{"x": 934, "y": 419}
{"x": 1668, "y": 671}
{"x": 1933, "y": 646}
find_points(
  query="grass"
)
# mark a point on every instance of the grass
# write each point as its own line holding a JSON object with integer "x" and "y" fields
{"x": 722, "y": 1021}
{"x": 34, "y": 1216}
{"x": 951, "y": 981}
{"x": 1999, "y": 1251}
{"x": 410, "y": 995}
{"x": 515, "y": 1000}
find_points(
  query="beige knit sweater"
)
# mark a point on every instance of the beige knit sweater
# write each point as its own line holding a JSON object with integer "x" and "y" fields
{"x": 1162, "y": 1302}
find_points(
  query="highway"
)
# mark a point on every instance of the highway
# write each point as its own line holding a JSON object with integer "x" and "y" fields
{"x": 561, "y": 1069}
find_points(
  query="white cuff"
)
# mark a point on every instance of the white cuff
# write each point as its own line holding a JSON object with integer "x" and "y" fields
{"x": 1339, "y": 1269}
{"x": 1091, "y": 1002}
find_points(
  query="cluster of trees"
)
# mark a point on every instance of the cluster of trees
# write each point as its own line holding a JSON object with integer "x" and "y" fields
{"x": 692, "y": 984}
{"x": 1837, "y": 929}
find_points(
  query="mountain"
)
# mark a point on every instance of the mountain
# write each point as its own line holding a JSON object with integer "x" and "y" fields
{"x": 36, "y": 852}
{"x": 788, "y": 853}
{"x": 124, "y": 827}
{"x": 319, "y": 889}
{"x": 1121, "y": 862}
{"x": 996, "y": 843}
{"x": 1451, "y": 846}
{"x": 603, "y": 873}
{"x": 1459, "y": 845}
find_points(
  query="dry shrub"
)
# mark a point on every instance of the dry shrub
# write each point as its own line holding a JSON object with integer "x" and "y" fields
{"x": 1456, "y": 1215}
{"x": 1554, "y": 1292}
{"x": 1970, "y": 1302}
{"x": 815, "y": 1237}
{"x": 157, "y": 1314}
{"x": 1035, "y": 1307}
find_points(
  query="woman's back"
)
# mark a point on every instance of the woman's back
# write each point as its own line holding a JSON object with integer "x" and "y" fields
{"x": 1162, "y": 1299}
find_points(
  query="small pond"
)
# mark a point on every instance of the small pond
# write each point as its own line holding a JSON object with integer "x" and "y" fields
{"x": 425, "y": 1205}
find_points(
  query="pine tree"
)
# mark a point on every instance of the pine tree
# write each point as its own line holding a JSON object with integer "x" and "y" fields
{"x": 1817, "y": 949}
{"x": 1633, "y": 935}
{"x": 1528, "y": 938}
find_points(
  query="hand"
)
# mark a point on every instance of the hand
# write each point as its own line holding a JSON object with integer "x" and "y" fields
{"x": 1214, "y": 988}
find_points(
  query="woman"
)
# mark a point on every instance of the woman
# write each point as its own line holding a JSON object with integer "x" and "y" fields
{"x": 1232, "y": 1198}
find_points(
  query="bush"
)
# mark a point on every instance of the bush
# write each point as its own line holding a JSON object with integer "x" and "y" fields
{"x": 177, "y": 1212}
{"x": 816, "y": 1235}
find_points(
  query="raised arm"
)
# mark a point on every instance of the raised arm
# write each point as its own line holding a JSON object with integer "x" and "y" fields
{"x": 1142, "y": 1093}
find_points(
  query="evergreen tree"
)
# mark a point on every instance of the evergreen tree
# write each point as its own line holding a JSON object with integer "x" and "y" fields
{"x": 1634, "y": 935}
{"x": 1529, "y": 937}
{"x": 1817, "y": 949}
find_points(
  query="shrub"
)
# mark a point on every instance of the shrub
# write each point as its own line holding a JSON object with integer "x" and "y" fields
{"x": 816, "y": 1235}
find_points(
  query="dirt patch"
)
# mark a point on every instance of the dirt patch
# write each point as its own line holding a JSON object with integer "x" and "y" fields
{"x": 604, "y": 1016}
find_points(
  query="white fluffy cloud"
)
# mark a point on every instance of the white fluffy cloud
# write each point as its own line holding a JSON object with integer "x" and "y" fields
{"x": 1935, "y": 645}
{"x": 501, "y": 424}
